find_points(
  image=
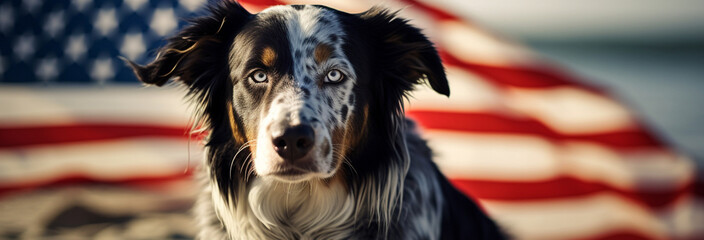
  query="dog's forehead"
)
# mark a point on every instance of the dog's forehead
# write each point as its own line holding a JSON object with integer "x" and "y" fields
{"x": 313, "y": 38}
{"x": 307, "y": 24}
{"x": 297, "y": 39}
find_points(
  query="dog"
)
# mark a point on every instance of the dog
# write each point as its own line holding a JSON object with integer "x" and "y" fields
{"x": 307, "y": 134}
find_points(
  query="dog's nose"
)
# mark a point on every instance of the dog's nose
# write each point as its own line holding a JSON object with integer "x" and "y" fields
{"x": 295, "y": 142}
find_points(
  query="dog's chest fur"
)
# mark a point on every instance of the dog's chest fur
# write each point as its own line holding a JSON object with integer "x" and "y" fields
{"x": 271, "y": 210}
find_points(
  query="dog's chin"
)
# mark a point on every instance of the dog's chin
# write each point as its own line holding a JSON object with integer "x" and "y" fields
{"x": 289, "y": 173}
{"x": 294, "y": 176}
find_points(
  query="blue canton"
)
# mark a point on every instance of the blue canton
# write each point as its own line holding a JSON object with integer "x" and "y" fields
{"x": 80, "y": 41}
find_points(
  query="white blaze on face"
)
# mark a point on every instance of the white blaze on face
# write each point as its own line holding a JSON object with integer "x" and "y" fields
{"x": 308, "y": 99}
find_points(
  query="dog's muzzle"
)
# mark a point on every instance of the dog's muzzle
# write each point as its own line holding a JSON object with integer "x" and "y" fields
{"x": 290, "y": 146}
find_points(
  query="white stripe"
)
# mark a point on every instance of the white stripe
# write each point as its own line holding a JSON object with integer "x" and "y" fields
{"x": 571, "y": 218}
{"x": 105, "y": 160}
{"x": 470, "y": 43}
{"x": 529, "y": 158}
{"x": 567, "y": 110}
{"x": 36, "y": 106}
{"x": 468, "y": 93}
{"x": 570, "y": 110}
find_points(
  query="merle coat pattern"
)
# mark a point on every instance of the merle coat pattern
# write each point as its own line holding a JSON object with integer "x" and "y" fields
{"x": 307, "y": 137}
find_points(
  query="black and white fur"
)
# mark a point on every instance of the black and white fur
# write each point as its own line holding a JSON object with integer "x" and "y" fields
{"x": 307, "y": 136}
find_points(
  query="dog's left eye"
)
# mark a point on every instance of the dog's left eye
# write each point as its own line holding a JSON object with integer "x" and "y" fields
{"x": 258, "y": 76}
{"x": 334, "y": 76}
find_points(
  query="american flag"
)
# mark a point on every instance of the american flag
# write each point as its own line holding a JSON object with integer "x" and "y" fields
{"x": 546, "y": 154}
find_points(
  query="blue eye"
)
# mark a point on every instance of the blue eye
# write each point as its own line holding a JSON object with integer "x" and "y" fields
{"x": 334, "y": 76}
{"x": 259, "y": 76}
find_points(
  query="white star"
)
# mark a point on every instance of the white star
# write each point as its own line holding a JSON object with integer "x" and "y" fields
{"x": 7, "y": 17}
{"x": 80, "y": 4}
{"x": 191, "y": 5}
{"x": 133, "y": 46}
{"x": 76, "y": 47}
{"x": 54, "y": 23}
{"x": 106, "y": 22}
{"x": 31, "y": 5}
{"x": 48, "y": 69}
{"x": 102, "y": 70}
{"x": 24, "y": 47}
{"x": 163, "y": 21}
{"x": 135, "y": 4}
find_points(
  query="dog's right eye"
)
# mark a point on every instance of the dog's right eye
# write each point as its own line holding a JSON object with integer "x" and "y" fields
{"x": 258, "y": 76}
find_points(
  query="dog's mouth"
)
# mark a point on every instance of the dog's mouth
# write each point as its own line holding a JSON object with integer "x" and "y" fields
{"x": 313, "y": 165}
{"x": 292, "y": 173}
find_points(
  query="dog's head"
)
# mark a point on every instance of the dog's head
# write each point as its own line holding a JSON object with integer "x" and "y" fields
{"x": 296, "y": 89}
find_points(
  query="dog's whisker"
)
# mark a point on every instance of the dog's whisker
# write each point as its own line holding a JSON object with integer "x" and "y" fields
{"x": 342, "y": 147}
{"x": 244, "y": 146}
{"x": 232, "y": 163}
{"x": 345, "y": 159}
{"x": 347, "y": 162}
{"x": 248, "y": 164}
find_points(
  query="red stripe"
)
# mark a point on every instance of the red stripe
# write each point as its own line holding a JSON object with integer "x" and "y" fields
{"x": 78, "y": 178}
{"x": 562, "y": 187}
{"x": 266, "y": 3}
{"x": 435, "y": 12}
{"x": 41, "y": 135}
{"x": 699, "y": 184}
{"x": 518, "y": 76}
{"x": 493, "y": 123}
{"x": 442, "y": 120}
{"x": 619, "y": 235}
{"x": 259, "y": 5}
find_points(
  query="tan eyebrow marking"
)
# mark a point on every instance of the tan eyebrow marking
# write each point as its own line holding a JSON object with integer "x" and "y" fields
{"x": 322, "y": 52}
{"x": 268, "y": 56}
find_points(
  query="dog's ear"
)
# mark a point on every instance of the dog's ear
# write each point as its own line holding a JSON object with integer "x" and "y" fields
{"x": 197, "y": 49}
{"x": 402, "y": 52}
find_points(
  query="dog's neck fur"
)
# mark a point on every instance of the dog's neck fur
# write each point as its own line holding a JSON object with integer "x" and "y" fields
{"x": 274, "y": 210}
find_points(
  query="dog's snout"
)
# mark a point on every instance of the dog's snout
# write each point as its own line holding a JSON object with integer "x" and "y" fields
{"x": 295, "y": 142}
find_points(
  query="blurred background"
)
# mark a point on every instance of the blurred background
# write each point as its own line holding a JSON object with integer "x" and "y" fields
{"x": 567, "y": 120}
